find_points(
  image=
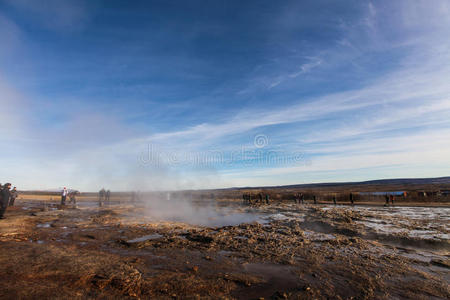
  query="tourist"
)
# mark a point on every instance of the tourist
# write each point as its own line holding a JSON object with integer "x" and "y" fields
{"x": 107, "y": 196}
{"x": 4, "y": 201}
{"x": 64, "y": 194}
{"x": 13, "y": 197}
{"x": 101, "y": 197}
{"x": 72, "y": 198}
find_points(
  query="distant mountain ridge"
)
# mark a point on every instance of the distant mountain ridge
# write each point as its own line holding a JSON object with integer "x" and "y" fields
{"x": 397, "y": 181}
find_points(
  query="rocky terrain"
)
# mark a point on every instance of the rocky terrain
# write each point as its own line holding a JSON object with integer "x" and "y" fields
{"x": 287, "y": 251}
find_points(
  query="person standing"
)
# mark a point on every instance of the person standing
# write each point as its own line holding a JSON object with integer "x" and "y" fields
{"x": 386, "y": 198}
{"x": 101, "y": 197}
{"x": 352, "y": 201}
{"x": 107, "y": 196}
{"x": 64, "y": 196}
{"x": 13, "y": 197}
{"x": 6, "y": 194}
{"x": 314, "y": 199}
{"x": 73, "y": 198}
{"x": 334, "y": 199}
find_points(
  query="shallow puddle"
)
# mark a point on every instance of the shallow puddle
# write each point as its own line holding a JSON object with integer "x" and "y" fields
{"x": 43, "y": 225}
{"x": 145, "y": 238}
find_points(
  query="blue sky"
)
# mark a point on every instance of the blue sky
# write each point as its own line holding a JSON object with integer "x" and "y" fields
{"x": 205, "y": 94}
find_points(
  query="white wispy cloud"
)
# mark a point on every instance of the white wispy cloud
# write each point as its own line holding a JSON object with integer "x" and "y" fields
{"x": 398, "y": 117}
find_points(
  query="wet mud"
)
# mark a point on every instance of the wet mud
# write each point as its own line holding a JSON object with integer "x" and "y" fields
{"x": 285, "y": 251}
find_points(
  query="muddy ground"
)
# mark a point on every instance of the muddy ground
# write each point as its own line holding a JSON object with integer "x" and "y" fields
{"x": 282, "y": 251}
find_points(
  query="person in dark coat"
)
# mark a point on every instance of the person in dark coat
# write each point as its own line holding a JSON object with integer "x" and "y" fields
{"x": 13, "y": 197}
{"x": 5, "y": 196}
{"x": 334, "y": 199}
{"x": 73, "y": 197}
{"x": 107, "y": 196}
{"x": 297, "y": 198}
{"x": 352, "y": 201}
{"x": 315, "y": 199}
{"x": 101, "y": 197}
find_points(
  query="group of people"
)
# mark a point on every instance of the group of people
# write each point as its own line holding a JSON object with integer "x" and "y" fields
{"x": 7, "y": 197}
{"x": 72, "y": 194}
{"x": 251, "y": 199}
{"x": 104, "y": 197}
{"x": 299, "y": 198}
{"x": 389, "y": 198}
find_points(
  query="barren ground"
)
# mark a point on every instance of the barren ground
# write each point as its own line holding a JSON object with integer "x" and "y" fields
{"x": 288, "y": 251}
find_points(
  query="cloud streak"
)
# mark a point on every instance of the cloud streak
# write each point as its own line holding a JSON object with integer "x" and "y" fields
{"x": 357, "y": 106}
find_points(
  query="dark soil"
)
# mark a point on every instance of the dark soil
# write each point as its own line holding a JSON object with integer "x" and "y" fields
{"x": 93, "y": 253}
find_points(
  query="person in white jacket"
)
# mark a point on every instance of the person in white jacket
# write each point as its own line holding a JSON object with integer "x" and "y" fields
{"x": 64, "y": 196}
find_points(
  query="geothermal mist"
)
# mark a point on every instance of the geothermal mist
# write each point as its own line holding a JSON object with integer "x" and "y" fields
{"x": 184, "y": 207}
